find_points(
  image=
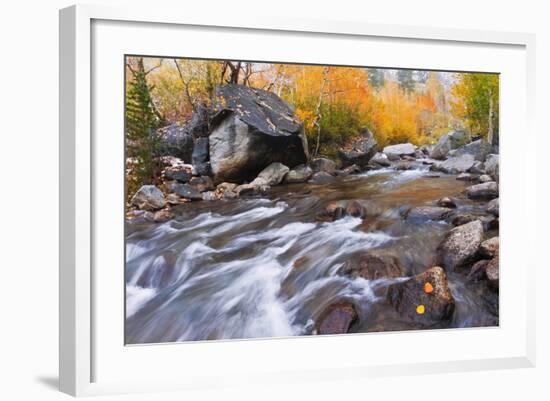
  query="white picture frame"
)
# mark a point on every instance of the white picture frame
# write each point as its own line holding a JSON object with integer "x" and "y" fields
{"x": 80, "y": 215}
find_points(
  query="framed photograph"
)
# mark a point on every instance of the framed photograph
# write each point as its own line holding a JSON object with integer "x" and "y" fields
{"x": 294, "y": 200}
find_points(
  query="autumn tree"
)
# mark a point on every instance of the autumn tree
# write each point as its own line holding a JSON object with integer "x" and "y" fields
{"x": 406, "y": 80}
{"x": 477, "y": 103}
{"x": 376, "y": 77}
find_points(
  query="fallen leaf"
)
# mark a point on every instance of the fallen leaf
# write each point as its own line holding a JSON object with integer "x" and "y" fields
{"x": 428, "y": 288}
{"x": 420, "y": 309}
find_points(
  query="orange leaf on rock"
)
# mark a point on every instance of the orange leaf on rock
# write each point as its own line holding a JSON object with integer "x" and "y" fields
{"x": 428, "y": 288}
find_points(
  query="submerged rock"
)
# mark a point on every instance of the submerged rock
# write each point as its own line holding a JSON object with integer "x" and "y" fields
{"x": 372, "y": 266}
{"x": 149, "y": 197}
{"x": 336, "y": 318}
{"x": 460, "y": 245}
{"x": 251, "y": 129}
{"x": 437, "y": 304}
{"x": 428, "y": 213}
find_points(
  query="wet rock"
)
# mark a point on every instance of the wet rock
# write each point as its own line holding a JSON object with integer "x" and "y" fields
{"x": 321, "y": 178}
{"x": 493, "y": 207}
{"x": 489, "y": 248}
{"x": 446, "y": 143}
{"x": 336, "y": 318}
{"x": 149, "y": 197}
{"x": 487, "y": 190}
{"x": 371, "y": 266}
{"x": 403, "y": 165}
{"x": 492, "y": 272}
{"x": 356, "y": 208}
{"x": 407, "y": 295}
{"x": 211, "y": 196}
{"x": 400, "y": 149}
{"x": 428, "y": 213}
{"x": 252, "y": 128}
{"x": 271, "y": 175}
{"x": 175, "y": 140}
{"x": 163, "y": 216}
{"x": 466, "y": 177}
{"x": 226, "y": 190}
{"x": 322, "y": 164}
{"x": 181, "y": 173}
{"x": 185, "y": 191}
{"x": 333, "y": 211}
{"x": 353, "y": 169}
{"x": 460, "y": 245}
{"x": 485, "y": 178}
{"x": 298, "y": 174}
{"x": 477, "y": 272}
{"x": 360, "y": 151}
{"x": 201, "y": 184}
{"x": 380, "y": 159}
{"x": 446, "y": 202}
{"x": 457, "y": 164}
{"x": 251, "y": 189}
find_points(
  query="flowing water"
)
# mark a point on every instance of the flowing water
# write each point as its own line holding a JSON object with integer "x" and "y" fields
{"x": 264, "y": 267}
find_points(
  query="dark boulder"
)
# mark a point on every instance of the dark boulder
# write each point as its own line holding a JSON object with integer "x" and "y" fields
{"x": 336, "y": 318}
{"x": 477, "y": 272}
{"x": 175, "y": 140}
{"x": 360, "y": 151}
{"x": 181, "y": 173}
{"x": 184, "y": 190}
{"x": 424, "y": 298}
{"x": 201, "y": 156}
{"x": 251, "y": 129}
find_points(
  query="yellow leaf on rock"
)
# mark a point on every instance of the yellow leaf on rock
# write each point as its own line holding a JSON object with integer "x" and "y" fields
{"x": 420, "y": 309}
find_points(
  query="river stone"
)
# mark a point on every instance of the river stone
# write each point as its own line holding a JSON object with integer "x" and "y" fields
{"x": 201, "y": 184}
{"x": 403, "y": 165}
{"x": 163, "y": 216}
{"x": 457, "y": 164}
{"x": 460, "y": 245}
{"x": 407, "y": 295}
{"x": 252, "y": 128}
{"x": 322, "y": 164}
{"x": 271, "y": 175}
{"x": 400, "y": 149}
{"x": 336, "y": 318}
{"x": 493, "y": 207}
{"x": 181, "y": 173}
{"x": 185, "y": 191}
{"x": 466, "y": 177}
{"x": 353, "y": 169}
{"x": 428, "y": 213}
{"x": 333, "y": 211}
{"x": 489, "y": 248}
{"x": 300, "y": 173}
{"x": 381, "y": 159}
{"x": 492, "y": 166}
{"x": 371, "y": 266}
{"x": 211, "y": 195}
{"x": 485, "y": 178}
{"x": 477, "y": 272}
{"x": 360, "y": 151}
{"x": 321, "y": 178}
{"x": 477, "y": 168}
{"x": 149, "y": 197}
{"x": 492, "y": 272}
{"x": 251, "y": 189}
{"x": 446, "y": 202}
{"x": 487, "y": 190}
{"x": 175, "y": 140}
{"x": 447, "y": 142}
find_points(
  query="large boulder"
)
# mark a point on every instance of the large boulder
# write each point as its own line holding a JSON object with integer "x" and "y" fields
{"x": 149, "y": 197}
{"x": 457, "y": 164}
{"x": 300, "y": 173}
{"x": 492, "y": 166}
{"x": 271, "y": 175}
{"x": 251, "y": 129}
{"x": 175, "y": 140}
{"x": 460, "y": 245}
{"x": 424, "y": 298}
{"x": 399, "y": 150}
{"x": 380, "y": 159}
{"x": 322, "y": 164}
{"x": 336, "y": 318}
{"x": 479, "y": 149}
{"x": 487, "y": 190}
{"x": 360, "y": 151}
{"x": 448, "y": 142}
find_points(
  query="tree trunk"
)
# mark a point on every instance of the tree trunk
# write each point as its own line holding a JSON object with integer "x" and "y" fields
{"x": 316, "y": 122}
{"x": 490, "y": 133}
